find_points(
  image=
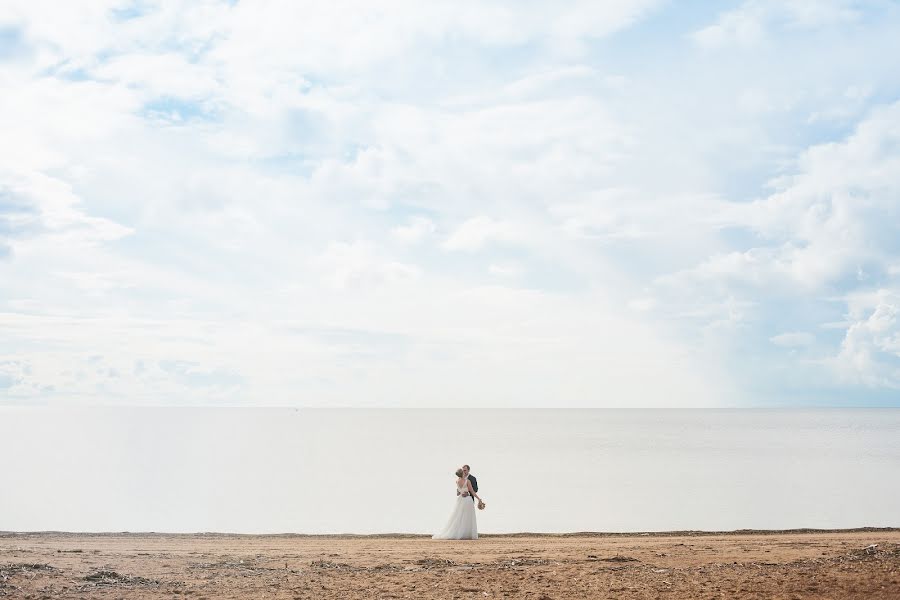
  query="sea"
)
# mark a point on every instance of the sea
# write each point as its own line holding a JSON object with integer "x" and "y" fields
{"x": 364, "y": 471}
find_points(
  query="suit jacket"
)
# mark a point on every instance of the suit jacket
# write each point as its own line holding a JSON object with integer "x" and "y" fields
{"x": 474, "y": 486}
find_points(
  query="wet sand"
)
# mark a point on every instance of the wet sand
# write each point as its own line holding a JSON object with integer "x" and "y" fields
{"x": 800, "y": 564}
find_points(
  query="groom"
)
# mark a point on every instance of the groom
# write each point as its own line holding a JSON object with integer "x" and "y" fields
{"x": 471, "y": 478}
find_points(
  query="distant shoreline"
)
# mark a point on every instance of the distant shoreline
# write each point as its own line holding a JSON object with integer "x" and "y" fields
{"x": 576, "y": 534}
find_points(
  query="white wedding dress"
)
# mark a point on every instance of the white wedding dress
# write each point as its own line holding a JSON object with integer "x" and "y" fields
{"x": 462, "y": 524}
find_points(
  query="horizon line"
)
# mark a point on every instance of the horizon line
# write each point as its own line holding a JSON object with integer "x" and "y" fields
{"x": 668, "y": 533}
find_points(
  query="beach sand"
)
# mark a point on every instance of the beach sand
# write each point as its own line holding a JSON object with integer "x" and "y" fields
{"x": 801, "y": 564}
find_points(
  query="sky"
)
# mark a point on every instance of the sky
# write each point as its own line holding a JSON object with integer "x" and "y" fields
{"x": 461, "y": 204}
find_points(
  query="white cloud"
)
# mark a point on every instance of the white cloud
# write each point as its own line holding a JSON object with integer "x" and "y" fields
{"x": 831, "y": 218}
{"x": 415, "y": 230}
{"x": 351, "y": 35}
{"x": 870, "y": 351}
{"x": 161, "y": 75}
{"x": 506, "y": 269}
{"x": 830, "y": 225}
{"x": 742, "y": 26}
{"x": 642, "y": 304}
{"x": 793, "y": 339}
{"x": 475, "y": 233}
{"x": 751, "y": 22}
{"x": 357, "y": 264}
{"x": 42, "y": 206}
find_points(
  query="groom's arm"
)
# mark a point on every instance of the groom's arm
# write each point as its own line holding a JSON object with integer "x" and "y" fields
{"x": 474, "y": 483}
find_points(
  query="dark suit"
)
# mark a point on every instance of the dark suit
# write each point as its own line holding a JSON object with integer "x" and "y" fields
{"x": 474, "y": 486}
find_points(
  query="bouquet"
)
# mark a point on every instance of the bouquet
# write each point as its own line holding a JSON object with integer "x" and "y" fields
{"x": 481, "y": 505}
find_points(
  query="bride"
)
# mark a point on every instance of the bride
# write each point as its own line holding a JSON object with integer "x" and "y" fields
{"x": 462, "y": 525}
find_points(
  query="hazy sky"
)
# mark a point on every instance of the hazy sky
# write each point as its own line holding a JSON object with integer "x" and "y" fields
{"x": 618, "y": 203}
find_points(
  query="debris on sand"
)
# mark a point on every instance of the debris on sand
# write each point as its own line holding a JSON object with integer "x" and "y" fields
{"x": 873, "y": 552}
{"x": 521, "y": 561}
{"x": 435, "y": 563}
{"x": 12, "y": 568}
{"x": 327, "y": 564}
{"x": 336, "y": 566}
{"x": 106, "y": 577}
{"x": 620, "y": 558}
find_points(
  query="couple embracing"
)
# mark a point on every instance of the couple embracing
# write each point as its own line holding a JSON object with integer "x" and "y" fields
{"x": 462, "y": 524}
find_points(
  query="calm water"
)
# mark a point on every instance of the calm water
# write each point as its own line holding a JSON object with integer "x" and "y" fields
{"x": 364, "y": 471}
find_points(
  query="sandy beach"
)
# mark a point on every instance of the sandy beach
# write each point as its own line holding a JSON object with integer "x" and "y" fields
{"x": 795, "y": 564}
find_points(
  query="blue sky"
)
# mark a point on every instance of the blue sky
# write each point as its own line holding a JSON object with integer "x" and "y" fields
{"x": 627, "y": 203}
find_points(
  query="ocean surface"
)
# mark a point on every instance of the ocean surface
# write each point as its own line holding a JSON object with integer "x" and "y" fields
{"x": 269, "y": 470}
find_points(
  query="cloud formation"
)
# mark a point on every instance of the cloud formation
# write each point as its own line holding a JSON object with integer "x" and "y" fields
{"x": 487, "y": 204}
